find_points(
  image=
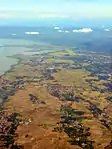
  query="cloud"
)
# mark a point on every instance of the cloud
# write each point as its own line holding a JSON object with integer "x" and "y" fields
{"x": 75, "y": 9}
{"x": 32, "y": 33}
{"x": 13, "y": 34}
{"x": 52, "y": 15}
{"x": 57, "y": 28}
{"x": 83, "y": 30}
{"x": 60, "y": 31}
{"x": 107, "y": 30}
{"x": 63, "y": 31}
{"x": 66, "y": 31}
{"x": 30, "y": 14}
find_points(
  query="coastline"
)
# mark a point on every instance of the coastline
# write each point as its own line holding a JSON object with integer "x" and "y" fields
{"x": 11, "y": 67}
{"x": 2, "y": 101}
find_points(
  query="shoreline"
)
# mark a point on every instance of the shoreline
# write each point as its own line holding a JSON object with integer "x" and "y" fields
{"x": 3, "y": 75}
{"x": 11, "y": 67}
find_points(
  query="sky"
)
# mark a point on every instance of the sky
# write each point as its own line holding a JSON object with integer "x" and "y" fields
{"x": 13, "y": 10}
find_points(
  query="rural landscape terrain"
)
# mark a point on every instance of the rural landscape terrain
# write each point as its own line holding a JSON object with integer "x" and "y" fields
{"x": 55, "y": 74}
{"x": 60, "y": 98}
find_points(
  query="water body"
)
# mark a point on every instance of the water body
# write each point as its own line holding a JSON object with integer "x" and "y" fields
{"x": 9, "y": 47}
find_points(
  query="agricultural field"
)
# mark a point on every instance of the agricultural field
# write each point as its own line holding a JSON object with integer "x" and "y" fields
{"x": 63, "y": 99}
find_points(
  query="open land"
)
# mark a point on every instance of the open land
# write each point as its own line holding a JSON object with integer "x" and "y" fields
{"x": 63, "y": 99}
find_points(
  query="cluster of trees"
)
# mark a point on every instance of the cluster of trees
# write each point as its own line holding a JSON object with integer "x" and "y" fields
{"x": 75, "y": 130}
{"x": 35, "y": 99}
{"x": 8, "y": 126}
{"x": 99, "y": 68}
{"x": 109, "y": 98}
{"x": 109, "y": 146}
{"x": 9, "y": 89}
{"x": 109, "y": 86}
{"x": 62, "y": 92}
{"x": 101, "y": 115}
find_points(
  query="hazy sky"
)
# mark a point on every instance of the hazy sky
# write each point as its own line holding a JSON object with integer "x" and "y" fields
{"x": 18, "y": 12}
{"x": 40, "y": 9}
